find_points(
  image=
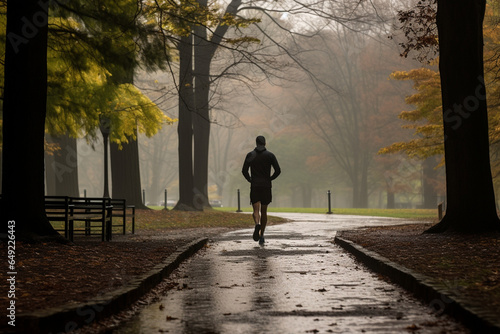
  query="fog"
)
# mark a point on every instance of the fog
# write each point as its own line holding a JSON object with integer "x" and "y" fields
{"x": 326, "y": 107}
{"x": 310, "y": 129}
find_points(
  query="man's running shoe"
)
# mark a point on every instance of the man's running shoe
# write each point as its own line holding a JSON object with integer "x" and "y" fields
{"x": 261, "y": 240}
{"x": 256, "y": 232}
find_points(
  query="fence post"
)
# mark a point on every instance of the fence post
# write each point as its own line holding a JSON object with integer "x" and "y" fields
{"x": 85, "y": 193}
{"x": 165, "y": 199}
{"x": 143, "y": 197}
{"x": 239, "y": 204}
{"x": 329, "y": 202}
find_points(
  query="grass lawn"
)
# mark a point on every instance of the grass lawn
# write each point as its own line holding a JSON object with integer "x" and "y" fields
{"x": 429, "y": 214}
{"x": 158, "y": 219}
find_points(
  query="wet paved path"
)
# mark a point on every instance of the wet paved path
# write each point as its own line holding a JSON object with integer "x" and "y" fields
{"x": 298, "y": 282}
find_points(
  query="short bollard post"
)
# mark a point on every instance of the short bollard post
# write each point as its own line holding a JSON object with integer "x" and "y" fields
{"x": 143, "y": 197}
{"x": 440, "y": 211}
{"x": 239, "y": 203}
{"x": 165, "y": 199}
{"x": 329, "y": 202}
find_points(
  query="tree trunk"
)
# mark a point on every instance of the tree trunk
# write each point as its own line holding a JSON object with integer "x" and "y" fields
{"x": 1, "y": 157}
{"x": 201, "y": 117}
{"x": 184, "y": 128}
{"x": 391, "y": 199}
{"x": 355, "y": 188}
{"x": 363, "y": 189}
{"x": 61, "y": 167}
{"x": 469, "y": 186}
{"x": 24, "y": 111}
{"x": 125, "y": 173}
{"x": 306, "y": 195}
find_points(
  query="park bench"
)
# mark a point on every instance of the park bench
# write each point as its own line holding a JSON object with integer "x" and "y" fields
{"x": 94, "y": 212}
{"x": 123, "y": 211}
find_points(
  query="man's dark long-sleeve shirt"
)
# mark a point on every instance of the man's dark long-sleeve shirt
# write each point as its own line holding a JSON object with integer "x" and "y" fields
{"x": 259, "y": 161}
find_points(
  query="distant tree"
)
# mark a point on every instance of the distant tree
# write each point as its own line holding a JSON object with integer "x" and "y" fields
{"x": 425, "y": 119}
{"x": 224, "y": 140}
{"x": 61, "y": 167}
{"x": 306, "y": 164}
{"x": 349, "y": 103}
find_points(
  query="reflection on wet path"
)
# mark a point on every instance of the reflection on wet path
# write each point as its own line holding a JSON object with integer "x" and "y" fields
{"x": 299, "y": 282}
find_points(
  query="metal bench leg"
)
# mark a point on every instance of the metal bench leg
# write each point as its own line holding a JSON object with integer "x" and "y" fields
{"x": 124, "y": 221}
{"x": 71, "y": 226}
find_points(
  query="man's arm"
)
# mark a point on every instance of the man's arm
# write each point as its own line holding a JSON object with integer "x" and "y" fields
{"x": 276, "y": 167}
{"x": 244, "y": 170}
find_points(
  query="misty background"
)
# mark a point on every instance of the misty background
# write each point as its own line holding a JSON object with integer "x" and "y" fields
{"x": 326, "y": 106}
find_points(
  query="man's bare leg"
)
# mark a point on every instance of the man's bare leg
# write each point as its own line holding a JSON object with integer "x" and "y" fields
{"x": 256, "y": 213}
{"x": 263, "y": 219}
{"x": 256, "y": 218}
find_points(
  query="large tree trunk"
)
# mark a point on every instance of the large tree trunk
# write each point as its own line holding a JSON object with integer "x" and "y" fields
{"x": 24, "y": 111}
{"x": 1, "y": 157}
{"x": 184, "y": 127}
{"x": 469, "y": 186}
{"x": 61, "y": 167}
{"x": 125, "y": 173}
{"x": 201, "y": 118}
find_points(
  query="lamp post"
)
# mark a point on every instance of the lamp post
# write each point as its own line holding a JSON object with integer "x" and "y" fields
{"x": 105, "y": 128}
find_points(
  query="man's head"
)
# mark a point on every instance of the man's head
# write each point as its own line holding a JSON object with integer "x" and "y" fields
{"x": 261, "y": 141}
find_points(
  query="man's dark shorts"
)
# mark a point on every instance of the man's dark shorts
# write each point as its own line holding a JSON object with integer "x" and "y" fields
{"x": 261, "y": 194}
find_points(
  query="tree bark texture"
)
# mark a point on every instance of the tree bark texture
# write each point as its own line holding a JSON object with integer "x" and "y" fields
{"x": 203, "y": 52}
{"x": 61, "y": 167}
{"x": 1, "y": 157}
{"x": 125, "y": 173}
{"x": 185, "y": 125}
{"x": 24, "y": 111}
{"x": 469, "y": 187}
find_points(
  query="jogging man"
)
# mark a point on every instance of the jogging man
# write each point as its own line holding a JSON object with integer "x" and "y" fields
{"x": 259, "y": 161}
